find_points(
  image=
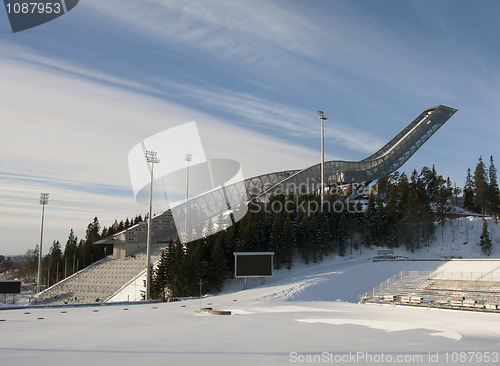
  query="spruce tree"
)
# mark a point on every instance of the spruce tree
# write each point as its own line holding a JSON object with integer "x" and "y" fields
{"x": 306, "y": 231}
{"x": 159, "y": 278}
{"x": 55, "y": 256}
{"x": 410, "y": 222}
{"x": 352, "y": 227}
{"x": 289, "y": 240}
{"x": 481, "y": 186}
{"x": 469, "y": 203}
{"x": 341, "y": 234}
{"x": 217, "y": 265}
{"x": 278, "y": 244}
{"x": 494, "y": 192}
{"x": 485, "y": 240}
{"x": 370, "y": 230}
{"x": 444, "y": 191}
{"x": 70, "y": 251}
{"x": 393, "y": 217}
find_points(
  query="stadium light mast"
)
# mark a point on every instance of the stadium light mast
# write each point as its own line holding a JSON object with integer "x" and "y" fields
{"x": 188, "y": 158}
{"x": 153, "y": 159}
{"x": 44, "y": 199}
{"x": 322, "y": 118}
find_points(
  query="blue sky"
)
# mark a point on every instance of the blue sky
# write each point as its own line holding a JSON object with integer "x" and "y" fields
{"x": 79, "y": 92}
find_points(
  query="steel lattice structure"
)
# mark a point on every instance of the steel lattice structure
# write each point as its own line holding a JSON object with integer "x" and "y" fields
{"x": 385, "y": 161}
{"x": 216, "y": 205}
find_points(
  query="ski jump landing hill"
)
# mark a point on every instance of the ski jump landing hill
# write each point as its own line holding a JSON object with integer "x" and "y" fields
{"x": 213, "y": 204}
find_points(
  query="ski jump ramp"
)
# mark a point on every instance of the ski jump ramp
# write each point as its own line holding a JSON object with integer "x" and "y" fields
{"x": 385, "y": 161}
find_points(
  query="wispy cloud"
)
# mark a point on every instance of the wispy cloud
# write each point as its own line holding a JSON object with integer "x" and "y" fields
{"x": 269, "y": 37}
{"x": 231, "y": 30}
{"x": 255, "y": 112}
{"x": 70, "y": 135}
{"x": 252, "y": 74}
{"x": 67, "y": 208}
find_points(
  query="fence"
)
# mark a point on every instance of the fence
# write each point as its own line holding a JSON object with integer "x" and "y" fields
{"x": 418, "y": 283}
{"x": 466, "y": 276}
{"x": 399, "y": 278}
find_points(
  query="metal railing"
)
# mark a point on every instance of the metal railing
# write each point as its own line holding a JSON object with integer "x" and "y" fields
{"x": 466, "y": 276}
{"x": 416, "y": 281}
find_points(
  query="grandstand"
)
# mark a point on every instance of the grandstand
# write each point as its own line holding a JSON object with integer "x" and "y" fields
{"x": 478, "y": 291}
{"x": 99, "y": 281}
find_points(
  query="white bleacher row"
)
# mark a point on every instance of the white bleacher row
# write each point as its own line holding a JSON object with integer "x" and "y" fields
{"x": 99, "y": 281}
{"x": 420, "y": 289}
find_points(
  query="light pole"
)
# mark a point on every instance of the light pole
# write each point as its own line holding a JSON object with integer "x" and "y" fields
{"x": 153, "y": 159}
{"x": 44, "y": 199}
{"x": 188, "y": 158}
{"x": 322, "y": 118}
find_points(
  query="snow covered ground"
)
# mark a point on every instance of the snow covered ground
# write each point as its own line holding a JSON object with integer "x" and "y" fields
{"x": 286, "y": 321}
{"x": 450, "y": 242}
{"x": 258, "y": 333}
{"x": 306, "y": 315}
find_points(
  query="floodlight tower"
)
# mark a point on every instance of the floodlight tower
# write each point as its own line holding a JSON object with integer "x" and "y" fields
{"x": 188, "y": 158}
{"x": 153, "y": 159}
{"x": 322, "y": 117}
{"x": 44, "y": 199}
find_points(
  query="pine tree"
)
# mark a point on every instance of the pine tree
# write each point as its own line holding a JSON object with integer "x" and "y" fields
{"x": 443, "y": 194}
{"x": 121, "y": 226}
{"x": 424, "y": 212}
{"x": 430, "y": 179}
{"x": 370, "y": 234}
{"x": 306, "y": 232}
{"x": 323, "y": 234}
{"x": 159, "y": 278}
{"x": 55, "y": 256}
{"x": 341, "y": 234}
{"x": 456, "y": 192}
{"x": 70, "y": 251}
{"x": 481, "y": 186}
{"x": 410, "y": 222}
{"x": 485, "y": 240}
{"x": 90, "y": 252}
{"x": 469, "y": 203}
{"x": 217, "y": 265}
{"x": 289, "y": 240}
{"x": 494, "y": 191}
{"x": 393, "y": 217}
{"x": 278, "y": 244}
{"x": 379, "y": 223}
{"x": 176, "y": 266}
{"x": 352, "y": 227}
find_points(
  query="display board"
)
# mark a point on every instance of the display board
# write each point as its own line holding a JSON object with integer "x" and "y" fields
{"x": 10, "y": 287}
{"x": 253, "y": 264}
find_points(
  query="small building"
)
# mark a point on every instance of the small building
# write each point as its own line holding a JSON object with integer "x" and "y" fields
{"x": 134, "y": 238}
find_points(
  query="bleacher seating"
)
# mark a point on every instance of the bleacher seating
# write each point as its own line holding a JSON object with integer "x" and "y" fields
{"x": 421, "y": 289}
{"x": 99, "y": 281}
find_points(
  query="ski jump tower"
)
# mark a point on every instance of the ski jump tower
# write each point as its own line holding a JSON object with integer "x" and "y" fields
{"x": 385, "y": 161}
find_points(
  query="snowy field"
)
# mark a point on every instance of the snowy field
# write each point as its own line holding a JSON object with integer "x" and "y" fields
{"x": 286, "y": 321}
{"x": 306, "y": 315}
{"x": 450, "y": 242}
